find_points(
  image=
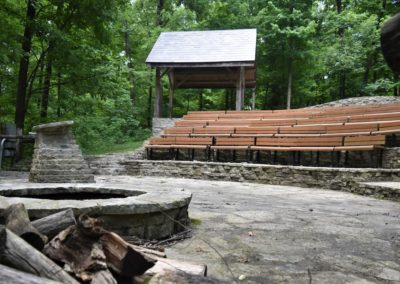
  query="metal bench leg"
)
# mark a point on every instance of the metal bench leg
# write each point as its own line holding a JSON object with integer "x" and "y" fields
{"x": 274, "y": 157}
{"x": 151, "y": 154}
{"x": 192, "y": 154}
{"x": 346, "y": 158}
{"x": 217, "y": 155}
{"x": 258, "y": 154}
{"x": 317, "y": 161}
{"x": 249, "y": 155}
{"x": 233, "y": 155}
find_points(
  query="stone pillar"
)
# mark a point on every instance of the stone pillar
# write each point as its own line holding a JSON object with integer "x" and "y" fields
{"x": 57, "y": 157}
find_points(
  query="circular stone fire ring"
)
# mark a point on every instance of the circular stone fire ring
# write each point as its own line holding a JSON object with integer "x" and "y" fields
{"x": 147, "y": 214}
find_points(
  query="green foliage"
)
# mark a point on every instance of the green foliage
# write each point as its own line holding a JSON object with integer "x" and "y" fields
{"x": 109, "y": 91}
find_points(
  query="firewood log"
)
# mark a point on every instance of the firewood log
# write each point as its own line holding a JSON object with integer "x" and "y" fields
{"x": 17, "y": 253}
{"x": 17, "y": 220}
{"x": 11, "y": 275}
{"x": 122, "y": 258}
{"x": 53, "y": 224}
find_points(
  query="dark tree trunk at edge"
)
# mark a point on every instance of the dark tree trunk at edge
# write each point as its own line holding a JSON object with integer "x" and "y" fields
{"x": 46, "y": 90}
{"x": 23, "y": 67}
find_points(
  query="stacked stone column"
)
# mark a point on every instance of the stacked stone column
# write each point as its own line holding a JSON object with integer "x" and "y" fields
{"x": 57, "y": 157}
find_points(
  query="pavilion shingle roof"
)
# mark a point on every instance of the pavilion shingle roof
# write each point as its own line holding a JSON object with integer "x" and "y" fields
{"x": 223, "y": 46}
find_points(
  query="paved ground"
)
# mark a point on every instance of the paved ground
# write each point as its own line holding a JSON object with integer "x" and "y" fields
{"x": 277, "y": 234}
{"x": 298, "y": 235}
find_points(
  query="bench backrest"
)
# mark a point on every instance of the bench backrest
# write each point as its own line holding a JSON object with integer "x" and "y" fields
{"x": 234, "y": 141}
{"x": 300, "y": 141}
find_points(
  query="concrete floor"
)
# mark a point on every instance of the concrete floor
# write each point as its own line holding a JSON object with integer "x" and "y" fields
{"x": 281, "y": 234}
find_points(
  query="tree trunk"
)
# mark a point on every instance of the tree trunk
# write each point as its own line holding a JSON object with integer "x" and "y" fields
{"x": 372, "y": 56}
{"x": 59, "y": 98}
{"x": 149, "y": 102}
{"x": 289, "y": 85}
{"x": 342, "y": 75}
{"x": 17, "y": 253}
{"x": 160, "y": 7}
{"x": 55, "y": 223}
{"x": 128, "y": 56}
{"x": 201, "y": 100}
{"x": 10, "y": 275}
{"x": 46, "y": 90}
{"x": 23, "y": 67}
{"x": 17, "y": 220}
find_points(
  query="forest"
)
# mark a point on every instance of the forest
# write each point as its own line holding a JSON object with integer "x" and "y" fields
{"x": 84, "y": 60}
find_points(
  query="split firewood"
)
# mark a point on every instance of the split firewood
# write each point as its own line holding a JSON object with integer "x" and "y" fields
{"x": 17, "y": 253}
{"x": 17, "y": 220}
{"x": 99, "y": 251}
{"x": 53, "y": 224}
{"x": 10, "y": 275}
{"x": 122, "y": 258}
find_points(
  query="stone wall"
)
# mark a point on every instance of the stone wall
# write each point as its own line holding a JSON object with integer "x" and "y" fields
{"x": 160, "y": 123}
{"x": 391, "y": 158}
{"x": 345, "y": 179}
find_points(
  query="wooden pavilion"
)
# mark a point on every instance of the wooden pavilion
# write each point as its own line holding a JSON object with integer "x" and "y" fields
{"x": 204, "y": 59}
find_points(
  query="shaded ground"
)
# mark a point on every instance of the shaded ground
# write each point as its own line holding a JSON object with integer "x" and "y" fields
{"x": 280, "y": 234}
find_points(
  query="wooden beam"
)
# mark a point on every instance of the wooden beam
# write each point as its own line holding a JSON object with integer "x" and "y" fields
{"x": 240, "y": 88}
{"x": 159, "y": 95}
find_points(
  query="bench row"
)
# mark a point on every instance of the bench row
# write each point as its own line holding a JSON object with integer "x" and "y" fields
{"x": 380, "y": 127}
{"x": 259, "y": 143}
{"x": 249, "y": 121}
{"x": 303, "y": 112}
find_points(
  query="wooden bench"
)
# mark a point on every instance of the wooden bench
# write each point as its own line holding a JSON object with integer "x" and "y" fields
{"x": 232, "y": 144}
{"x": 174, "y": 144}
{"x": 192, "y": 123}
{"x": 213, "y": 131}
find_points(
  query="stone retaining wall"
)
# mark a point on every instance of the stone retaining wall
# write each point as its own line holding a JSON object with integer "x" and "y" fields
{"x": 345, "y": 179}
{"x": 160, "y": 123}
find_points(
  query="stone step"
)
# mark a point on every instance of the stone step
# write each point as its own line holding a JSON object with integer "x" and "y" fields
{"x": 62, "y": 172}
{"x": 55, "y": 152}
{"x": 63, "y": 178}
{"x": 64, "y": 167}
{"x": 64, "y": 147}
{"x": 383, "y": 189}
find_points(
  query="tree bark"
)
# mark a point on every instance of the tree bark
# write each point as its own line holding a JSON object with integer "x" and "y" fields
{"x": 342, "y": 75}
{"x": 17, "y": 220}
{"x": 46, "y": 89}
{"x": 23, "y": 67}
{"x": 201, "y": 100}
{"x": 289, "y": 85}
{"x": 128, "y": 56}
{"x": 17, "y": 253}
{"x": 10, "y": 275}
{"x": 59, "y": 96}
{"x": 55, "y": 223}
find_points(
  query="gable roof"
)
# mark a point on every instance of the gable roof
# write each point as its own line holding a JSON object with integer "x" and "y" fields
{"x": 204, "y": 47}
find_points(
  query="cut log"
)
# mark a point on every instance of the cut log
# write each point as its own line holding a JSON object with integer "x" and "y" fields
{"x": 83, "y": 254}
{"x": 10, "y": 275}
{"x": 53, "y": 224}
{"x": 164, "y": 264}
{"x": 17, "y": 220}
{"x": 122, "y": 258}
{"x": 17, "y": 253}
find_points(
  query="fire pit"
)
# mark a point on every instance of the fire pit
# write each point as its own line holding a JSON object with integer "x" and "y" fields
{"x": 148, "y": 214}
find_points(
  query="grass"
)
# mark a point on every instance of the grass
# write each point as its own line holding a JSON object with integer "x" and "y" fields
{"x": 113, "y": 148}
{"x": 195, "y": 222}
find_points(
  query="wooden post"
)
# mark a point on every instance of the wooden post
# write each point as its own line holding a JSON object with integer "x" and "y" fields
{"x": 159, "y": 95}
{"x": 171, "y": 94}
{"x": 240, "y": 87}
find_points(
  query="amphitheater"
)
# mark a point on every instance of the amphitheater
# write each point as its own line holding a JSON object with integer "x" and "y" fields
{"x": 300, "y": 196}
